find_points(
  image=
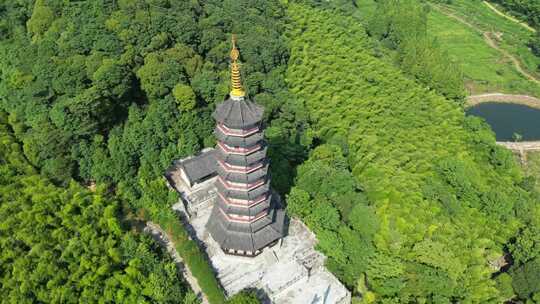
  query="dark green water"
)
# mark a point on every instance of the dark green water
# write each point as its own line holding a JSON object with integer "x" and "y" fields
{"x": 506, "y": 119}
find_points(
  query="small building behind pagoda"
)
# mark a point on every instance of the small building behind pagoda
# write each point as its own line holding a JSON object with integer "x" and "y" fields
{"x": 196, "y": 170}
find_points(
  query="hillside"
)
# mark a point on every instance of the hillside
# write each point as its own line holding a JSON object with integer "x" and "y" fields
{"x": 68, "y": 245}
{"x": 110, "y": 93}
{"x": 411, "y": 200}
{"x": 430, "y": 200}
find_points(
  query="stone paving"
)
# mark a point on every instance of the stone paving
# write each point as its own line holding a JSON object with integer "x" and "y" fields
{"x": 290, "y": 272}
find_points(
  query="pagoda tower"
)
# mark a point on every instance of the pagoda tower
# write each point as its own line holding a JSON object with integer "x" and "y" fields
{"x": 246, "y": 216}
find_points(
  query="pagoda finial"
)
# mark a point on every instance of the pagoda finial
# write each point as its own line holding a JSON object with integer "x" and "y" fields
{"x": 236, "y": 80}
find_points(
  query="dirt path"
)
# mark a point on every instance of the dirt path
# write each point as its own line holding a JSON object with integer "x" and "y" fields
{"x": 491, "y": 42}
{"x": 162, "y": 238}
{"x": 517, "y": 64}
{"x": 498, "y": 12}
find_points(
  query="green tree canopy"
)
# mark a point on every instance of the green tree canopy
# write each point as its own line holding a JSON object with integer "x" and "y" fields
{"x": 68, "y": 245}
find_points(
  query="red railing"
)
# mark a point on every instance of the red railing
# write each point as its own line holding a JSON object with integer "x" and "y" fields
{"x": 238, "y": 169}
{"x": 242, "y": 151}
{"x": 247, "y": 204}
{"x": 247, "y": 187}
{"x": 244, "y": 218}
{"x": 234, "y": 132}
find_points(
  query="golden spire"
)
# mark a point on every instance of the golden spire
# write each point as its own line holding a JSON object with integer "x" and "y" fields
{"x": 236, "y": 81}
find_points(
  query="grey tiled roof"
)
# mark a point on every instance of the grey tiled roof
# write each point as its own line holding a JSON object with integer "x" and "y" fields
{"x": 247, "y": 237}
{"x": 238, "y": 113}
{"x": 199, "y": 166}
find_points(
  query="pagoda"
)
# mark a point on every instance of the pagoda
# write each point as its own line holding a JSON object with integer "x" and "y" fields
{"x": 246, "y": 216}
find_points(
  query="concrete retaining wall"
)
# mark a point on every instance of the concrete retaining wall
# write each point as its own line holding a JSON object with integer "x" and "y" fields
{"x": 504, "y": 98}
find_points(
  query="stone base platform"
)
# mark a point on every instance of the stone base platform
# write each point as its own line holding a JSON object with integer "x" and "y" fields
{"x": 290, "y": 272}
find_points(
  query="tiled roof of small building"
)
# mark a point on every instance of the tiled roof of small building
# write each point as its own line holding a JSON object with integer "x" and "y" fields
{"x": 199, "y": 166}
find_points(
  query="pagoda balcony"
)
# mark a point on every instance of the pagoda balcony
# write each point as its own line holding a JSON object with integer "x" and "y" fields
{"x": 230, "y": 209}
{"x": 240, "y": 169}
{"x": 243, "y": 194}
{"x": 243, "y": 218}
{"x": 243, "y": 177}
{"x": 237, "y": 132}
{"x": 238, "y": 150}
{"x": 240, "y": 186}
{"x": 237, "y": 141}
{"x": 243, "y": 203}
{"x": 242, "y": 160}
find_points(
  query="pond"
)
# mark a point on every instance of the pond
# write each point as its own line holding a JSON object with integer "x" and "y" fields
{"x": 507, "y": 118}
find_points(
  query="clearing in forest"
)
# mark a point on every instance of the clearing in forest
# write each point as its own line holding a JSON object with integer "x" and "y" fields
{"x": 490, "y": 48}
{"x": 514, "y": 37}
{"x": 427, "y": 178}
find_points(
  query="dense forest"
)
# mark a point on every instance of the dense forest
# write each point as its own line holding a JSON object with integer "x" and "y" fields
{"x": 67, "y": 245}
{"x": 411, "y": 200}
{"x": 110, "y": 92}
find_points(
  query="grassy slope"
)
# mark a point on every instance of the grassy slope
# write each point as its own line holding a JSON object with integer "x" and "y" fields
{"x": 515, "y": 37}
{"x": 397, "y": 132}
{"x": 485, "y": 68}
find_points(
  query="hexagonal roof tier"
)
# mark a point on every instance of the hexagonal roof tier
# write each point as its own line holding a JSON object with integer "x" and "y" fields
{"x": 238, "y": 113}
